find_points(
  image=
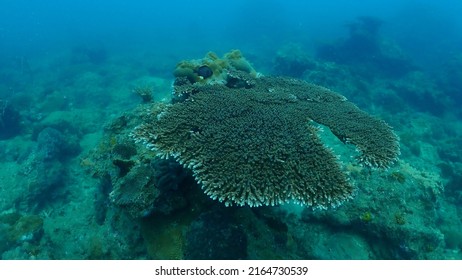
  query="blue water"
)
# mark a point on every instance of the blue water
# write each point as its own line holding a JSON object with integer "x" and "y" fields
{"x": 425, "y": 28}
{"x": 68, "y": 70}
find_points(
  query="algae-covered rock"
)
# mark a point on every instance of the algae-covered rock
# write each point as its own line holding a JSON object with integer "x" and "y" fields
{"x": 136, "y": 191}
{"x": 147, "y": 188}
{"x": 10, "y": 120}
{"x": 292, "y": 60}
{"x": 9, "y": 218}
{"x": 27, "y": 228}
{"x": 219, "y": 67}
{"x": 214, "y": 235}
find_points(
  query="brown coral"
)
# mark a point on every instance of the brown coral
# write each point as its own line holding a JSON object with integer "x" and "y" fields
{"x": 375, "y": 140}
{"x": 257, "y": 146}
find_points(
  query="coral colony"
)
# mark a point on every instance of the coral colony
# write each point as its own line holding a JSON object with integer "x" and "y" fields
{"x": 253, "y": 140}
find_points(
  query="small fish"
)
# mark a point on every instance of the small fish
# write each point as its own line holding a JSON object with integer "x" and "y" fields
{"x": 204, "y": 71}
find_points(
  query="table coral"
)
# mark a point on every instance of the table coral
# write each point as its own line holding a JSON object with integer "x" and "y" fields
{"x": 258, "y": 145}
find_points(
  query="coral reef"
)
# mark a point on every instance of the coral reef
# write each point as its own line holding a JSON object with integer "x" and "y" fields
{"x": 212, "y": 69}
{"x": 20, "y": 230}
{"x": 44, "y": 169}
{"x": 144, "y": 92}
{"x": 164, "y": 237}
{"x": 27, "y": 228}
{"x": 449, "y": 78}
{"x": 135, "y": 191}
{"x": 256, "y": 146}
{"x": 423, "y": 94}
{"x": 131, "y": 178}
{"x": 293, "y": 61}
{"x": 224, "y": 239}
{"x": 42, "y": 179}
{"x": 10, "y": 120}
{"x": 118, "y": 200}
{"x": 147, "y": 188}
{"x": 51, "y": 143}
{"x": 364, "y": 49}
{"x": 396, "y": 223}
{"x": 400, "y": 212}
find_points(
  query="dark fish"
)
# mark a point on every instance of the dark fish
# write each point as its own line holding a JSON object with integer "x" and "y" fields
{"x": 204, "y": 71}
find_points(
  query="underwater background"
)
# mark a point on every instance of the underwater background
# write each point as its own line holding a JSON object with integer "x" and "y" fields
{"x": 74, "y": 77}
